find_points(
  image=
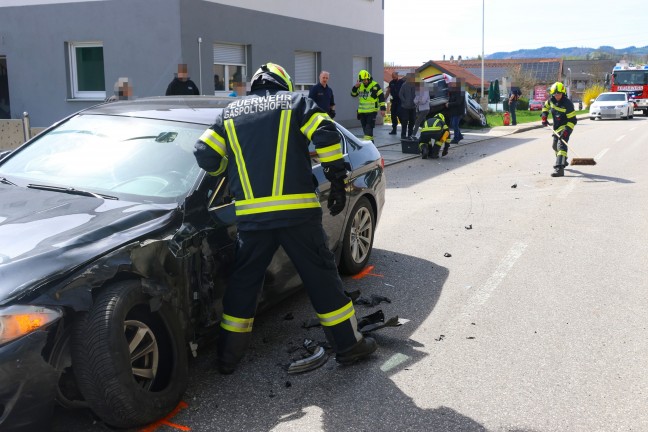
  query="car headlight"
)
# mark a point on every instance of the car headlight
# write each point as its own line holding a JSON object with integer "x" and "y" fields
{"x": 18, "y": 321}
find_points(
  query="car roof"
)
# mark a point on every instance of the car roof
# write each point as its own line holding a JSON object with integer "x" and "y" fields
{"x": 190, "y": 109}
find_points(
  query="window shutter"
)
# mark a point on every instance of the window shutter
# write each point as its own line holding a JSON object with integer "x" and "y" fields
{"x": 229, "y": 54}
{"x": 305, "y": 65}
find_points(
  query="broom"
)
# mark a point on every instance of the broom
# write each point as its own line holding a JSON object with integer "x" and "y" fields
{"x": 576, "y": 160}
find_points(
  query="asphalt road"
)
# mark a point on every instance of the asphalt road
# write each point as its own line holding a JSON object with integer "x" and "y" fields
{"x": 526, "y": 296}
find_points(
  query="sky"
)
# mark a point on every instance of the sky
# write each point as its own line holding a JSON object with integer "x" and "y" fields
{"x": 417, "y": 31}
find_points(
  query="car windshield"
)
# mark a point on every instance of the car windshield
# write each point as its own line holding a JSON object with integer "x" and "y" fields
{"x": 130, "y": 158}
{"x": 611, "y": 97}
{"x": 631, "y": 77}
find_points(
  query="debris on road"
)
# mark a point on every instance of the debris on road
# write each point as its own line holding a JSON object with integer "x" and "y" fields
{"x": 447, "y": 255}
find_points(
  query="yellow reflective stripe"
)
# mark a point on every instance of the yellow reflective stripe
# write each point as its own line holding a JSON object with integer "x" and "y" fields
{"x": 559, "y": 109}
{"x": 571, "y": 114}
{"x": 282, "y": 150}
{"x": 215, "y": 141}
{"x": 274, "y": 203}
{"x": 221, "y": 168}
{"x": 336, "y": 317}
{"x": 312, "y": 124}
{"x": 330, "y": 153}
{"x": 240, "y": 162}
{"x": 237, "y": 325}
{"x": 570, "y": 125}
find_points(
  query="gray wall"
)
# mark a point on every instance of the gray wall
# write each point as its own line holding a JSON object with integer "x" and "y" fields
{"x": 146, "y": 39}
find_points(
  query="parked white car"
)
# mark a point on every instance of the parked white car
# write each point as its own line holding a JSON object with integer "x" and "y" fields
{"x": 611, "y": 105}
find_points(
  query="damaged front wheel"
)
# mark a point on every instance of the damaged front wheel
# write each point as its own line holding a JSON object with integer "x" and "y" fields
{"x": 129, "y": 358}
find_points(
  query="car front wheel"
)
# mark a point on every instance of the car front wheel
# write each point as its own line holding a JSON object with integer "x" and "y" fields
{"x": 358, "y": 238}
{"x": 128, "y": 356}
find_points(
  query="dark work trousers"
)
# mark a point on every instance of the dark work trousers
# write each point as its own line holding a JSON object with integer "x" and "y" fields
{"x": 456, "y": 132}
{"x": 368, "y": 122}
{"x": 394, "y": 115}
{"x": 561, "y": 151}
{"x": 407, "y": 118}
{"x": 512, "y": 107}
{"x": 306, "y": 245}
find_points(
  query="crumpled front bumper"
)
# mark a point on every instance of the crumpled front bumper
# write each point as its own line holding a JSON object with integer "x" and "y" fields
{"x": 27, "y": 385}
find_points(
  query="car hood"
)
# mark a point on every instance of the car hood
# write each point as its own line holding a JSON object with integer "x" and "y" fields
{"x": 609, "y": 103}
{"x": 45, "y": 234}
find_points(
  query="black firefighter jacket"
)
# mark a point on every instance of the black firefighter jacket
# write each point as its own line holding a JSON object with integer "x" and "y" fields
{"x": 261, "y": 142}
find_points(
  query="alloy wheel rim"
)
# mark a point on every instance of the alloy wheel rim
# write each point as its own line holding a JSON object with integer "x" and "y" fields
{"x": 144, "y": 352}
{"x": 361, "y": 234}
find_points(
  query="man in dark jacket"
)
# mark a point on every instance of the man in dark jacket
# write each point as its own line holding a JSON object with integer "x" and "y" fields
{"x": 261, "y": 142}
{"x": 322, "y": 94}
{"x": 393, "y": 88}
{"x": 181, "y": 84}
{"x": 456, "y": 109}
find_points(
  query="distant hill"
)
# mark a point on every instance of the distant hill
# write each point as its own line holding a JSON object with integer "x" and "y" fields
{"x": 603, "y": 52}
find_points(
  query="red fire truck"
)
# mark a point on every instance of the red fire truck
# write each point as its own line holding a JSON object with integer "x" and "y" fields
{"x": 632, "y": 79}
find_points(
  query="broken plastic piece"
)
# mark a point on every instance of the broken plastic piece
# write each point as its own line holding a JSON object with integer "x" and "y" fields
{"x": 353, "y": 295}
{"x": 313, "y": 322}
{"x": 375, "y": 300}
{"x": 376, "y": 321}
{"x": 309, "y": 363}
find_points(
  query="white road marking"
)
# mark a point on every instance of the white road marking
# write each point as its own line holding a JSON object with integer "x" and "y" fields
{"x": 566, "y": 190}
{"x": 619, "y": 138}
{"x": 599, "y": 156}
{"x": 482, "y": 295}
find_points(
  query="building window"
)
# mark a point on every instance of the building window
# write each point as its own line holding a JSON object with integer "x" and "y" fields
{"x": 305, "y": 70}
{"x": 87, "y": 80}
{"x": 360, "y": 63}
{"x": 230, "y": 69}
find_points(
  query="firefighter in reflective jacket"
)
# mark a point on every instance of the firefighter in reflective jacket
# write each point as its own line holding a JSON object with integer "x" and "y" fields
{"x": 261, "y": 143}
{"x": 434, "y": 134}
{"x": 564, "y": 120}
{"x": 371, "y": 100}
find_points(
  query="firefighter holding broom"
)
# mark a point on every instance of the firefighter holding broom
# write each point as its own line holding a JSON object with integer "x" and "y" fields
{"x": 564, "y": 120}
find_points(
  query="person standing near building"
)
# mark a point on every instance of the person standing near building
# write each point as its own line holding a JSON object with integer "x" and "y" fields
{"x": 456, "y": 109}
{"x": 564, "y": 121}
{"x": 322, "y": 94}
{"x": 408, "y": 108}
{"x": 393, "y": 88}
{"x": 261, "y": 142}
{"x": 181, "y": 84}
{"x": 512, "y": 101}
{"x": 371, "y": 99}
{"x": 422, "y": 102}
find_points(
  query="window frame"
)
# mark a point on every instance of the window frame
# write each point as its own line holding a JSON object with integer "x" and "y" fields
{"x": 73, "y": 75}
{"x": 300, "y": 83}
{"x": 227, "y": 75}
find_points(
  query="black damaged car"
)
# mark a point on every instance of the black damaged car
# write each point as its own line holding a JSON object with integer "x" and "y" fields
{"x": 114, "y": 254}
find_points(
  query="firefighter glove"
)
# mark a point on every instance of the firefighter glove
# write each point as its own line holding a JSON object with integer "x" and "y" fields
{"x": 565, "y": 134}
{"x": 544, "y": 121}
{"x": 331, "y": 113}
{"x": 337, "y": 197}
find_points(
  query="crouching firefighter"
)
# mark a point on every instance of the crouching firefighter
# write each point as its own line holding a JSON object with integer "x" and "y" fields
{"x": 564, "y": 120}
{"x": 434, "y": 134}
{"x": 261, "y": 143}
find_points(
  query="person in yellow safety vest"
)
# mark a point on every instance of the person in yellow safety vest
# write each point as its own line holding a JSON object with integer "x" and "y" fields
{"x": 434, "y": 129}
{"x": 370, "y": 100}
{"x": 564, "y": 120}
{"x": 261, "y": 143}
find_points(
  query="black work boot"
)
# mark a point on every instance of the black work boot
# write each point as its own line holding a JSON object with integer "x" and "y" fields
{"x": 445, "y": 149}
{"x": 230, "y": 349}
{"x": 559, "y": 171}
{"x": 360, "y": 350}
{"x": 425, "y": 151}
{"x": 434, "y": 153}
